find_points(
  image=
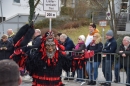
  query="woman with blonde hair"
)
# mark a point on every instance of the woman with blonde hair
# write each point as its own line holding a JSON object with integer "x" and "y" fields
{"x": 94, "y": 62}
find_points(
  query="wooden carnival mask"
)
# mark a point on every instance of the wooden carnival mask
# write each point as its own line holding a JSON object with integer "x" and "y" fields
{"x": 50, "y": 46}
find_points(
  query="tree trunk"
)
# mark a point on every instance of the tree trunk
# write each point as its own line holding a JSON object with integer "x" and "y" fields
{"x": 65, "y": 3}
{"x": 114, "y": 19}
{"x": 31, "y": 5}
{"x": 32, "y": 8}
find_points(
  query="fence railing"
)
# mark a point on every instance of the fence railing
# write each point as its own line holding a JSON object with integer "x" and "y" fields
{"x": 106, "y": 65}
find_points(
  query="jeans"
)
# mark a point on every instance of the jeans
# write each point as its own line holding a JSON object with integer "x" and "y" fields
{"x": 117, "y": 68}
{"x": 90, "y": 67}
{"x": 107, "y": 69}
{"x": 80, "y": 74}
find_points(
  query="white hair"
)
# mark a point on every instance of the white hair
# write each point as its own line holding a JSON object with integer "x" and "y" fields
{"x": 82, "y": 37}
{"x": 127, "y": 38}
{"x": 63, "y": 36}
{"x": 38, "y": 30}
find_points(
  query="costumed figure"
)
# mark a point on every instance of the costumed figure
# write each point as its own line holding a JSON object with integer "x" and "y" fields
{"x": 45, "y": 65}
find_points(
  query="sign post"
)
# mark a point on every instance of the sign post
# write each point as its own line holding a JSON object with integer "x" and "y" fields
{"x": 103, "y": 24}
{"x": 51, "y": 7}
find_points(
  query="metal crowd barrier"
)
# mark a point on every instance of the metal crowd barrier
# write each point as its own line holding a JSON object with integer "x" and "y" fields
{"x": 109, "y": 62}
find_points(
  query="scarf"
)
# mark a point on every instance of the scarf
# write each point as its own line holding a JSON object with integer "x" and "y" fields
{"x": 77, "y": 46}
{"x": 92, "y": 43}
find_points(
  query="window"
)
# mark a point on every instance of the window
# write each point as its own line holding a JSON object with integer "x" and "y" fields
{"x": 124, "y": 0}
{"x": 16, "y": 1}
{"x": 124, "y": 6}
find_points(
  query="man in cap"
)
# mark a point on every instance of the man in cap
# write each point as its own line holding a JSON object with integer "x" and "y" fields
{"x": 109, "y": 47}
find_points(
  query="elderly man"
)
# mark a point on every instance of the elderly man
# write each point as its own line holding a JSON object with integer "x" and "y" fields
{"x": 11, "y": 35}
{"x": 9, "y": 73}
{"x": 124, "y": 60}
{"x": 37, "y": 39}
{"x": 67, "y": 42}
{"x": 108, "y": 59}
{"x": 69, "y": 45}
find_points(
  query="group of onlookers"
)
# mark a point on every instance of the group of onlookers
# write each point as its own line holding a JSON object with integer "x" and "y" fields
{"x": 92, "y": 42}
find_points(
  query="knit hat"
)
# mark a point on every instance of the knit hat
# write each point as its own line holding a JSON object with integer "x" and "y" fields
{"x": 82, "y": 37}
{"x": 109, "y": 33}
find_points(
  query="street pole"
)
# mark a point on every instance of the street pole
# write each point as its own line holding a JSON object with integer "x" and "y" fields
{"x": 50, "y": 24}
{"x": 2, "y": 15}
{"x": 103, "y": 40}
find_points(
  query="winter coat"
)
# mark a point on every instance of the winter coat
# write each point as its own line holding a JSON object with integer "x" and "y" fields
{"x": 125, "y": 59}
{"x": 5, "y": 54}
{"x": 10, "y": 39}
{"x": 36, "y": 42}
{"x": 110, "y": 47}
{"x": 96, "y": 48}
{"x": 69, "y": 45}
{"x": 81, "y": 46}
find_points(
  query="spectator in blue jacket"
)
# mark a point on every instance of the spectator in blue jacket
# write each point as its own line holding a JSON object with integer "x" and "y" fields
{"x": 108, "y": 59}
{"x": 69, "y": 45}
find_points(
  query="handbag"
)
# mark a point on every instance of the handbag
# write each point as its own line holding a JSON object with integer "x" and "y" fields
{"x": 88, "y": 54}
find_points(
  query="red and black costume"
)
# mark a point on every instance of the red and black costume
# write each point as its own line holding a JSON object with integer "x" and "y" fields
{"x": 44, "y": 68}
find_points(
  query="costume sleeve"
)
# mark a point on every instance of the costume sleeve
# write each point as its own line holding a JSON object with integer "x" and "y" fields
{"x": 22, "y": 31}
{"x": 66, "y": 62}
{"x": 34, "y": 63}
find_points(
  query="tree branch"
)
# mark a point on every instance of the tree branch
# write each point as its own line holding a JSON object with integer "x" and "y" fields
{"x": 36, "y": 3}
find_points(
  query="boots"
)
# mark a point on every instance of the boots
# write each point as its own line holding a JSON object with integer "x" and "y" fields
{"x": 91, "y": 83}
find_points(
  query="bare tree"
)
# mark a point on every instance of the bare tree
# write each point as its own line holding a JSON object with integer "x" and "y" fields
{"x": 32, "y": 4}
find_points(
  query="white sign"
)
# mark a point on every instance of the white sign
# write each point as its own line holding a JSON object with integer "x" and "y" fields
{"x": 102, "y": 23}
{"x": 51, "y": 5}
{"x": 50, "y": 14}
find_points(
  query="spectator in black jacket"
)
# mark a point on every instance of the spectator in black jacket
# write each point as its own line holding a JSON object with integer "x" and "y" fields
{"x": 94, "y": 62}
{"x": 37, "y": 39}
{"x": 123, "y": 60}
{"x": 69, "y": 45}
{"x": 108, "y": 59}
{"x": 5, "y": 48}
